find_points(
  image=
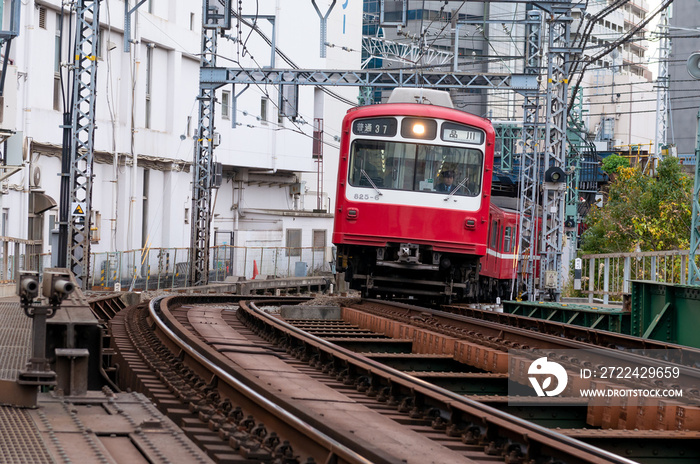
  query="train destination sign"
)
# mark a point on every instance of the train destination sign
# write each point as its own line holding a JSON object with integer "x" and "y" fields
{"x": 382, "y": 127}
{"x": 462, "y": 134}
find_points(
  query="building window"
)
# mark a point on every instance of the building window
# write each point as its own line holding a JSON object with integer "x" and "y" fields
{"x": 293, "y": 242}
{"x": 189, "y": 126}
{"x": 319, "y": 240}
{"x": 150, "y": 6}
{"x": 57, "y": 66}
{"x": 226, "y": 104}
{"x": 149, "y": 82}
{"x": 263, "y": 110}
{"x": 100, "y": 41}
{"x": 192, "y": 19}
{"x": 5, "y": 216}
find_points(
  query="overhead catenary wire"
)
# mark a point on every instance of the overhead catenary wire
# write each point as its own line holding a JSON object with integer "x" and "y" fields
{"x": 612, "y": 46}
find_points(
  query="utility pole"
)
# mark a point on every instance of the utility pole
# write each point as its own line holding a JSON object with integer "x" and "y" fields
{"x": 79, "y": 204}
{"x": 216, "y": 18}
{"x": 693, "y": 66}
{"x": 529, "y": 164}
{"x": 662, "y": 87}
{"x": 554, "y": 194}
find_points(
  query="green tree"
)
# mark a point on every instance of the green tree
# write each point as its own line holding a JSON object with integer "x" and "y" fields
{"x": 613, "y": 162}
{"x": 653, "y": 213}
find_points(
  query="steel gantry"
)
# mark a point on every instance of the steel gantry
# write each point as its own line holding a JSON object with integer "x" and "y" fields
{"x": 554, "y": 193}
{"x": 82, "y": 137}
{"x": 216, "y": 17}
{"x": 529, "y": 164}
{"x": 662, "y": 81}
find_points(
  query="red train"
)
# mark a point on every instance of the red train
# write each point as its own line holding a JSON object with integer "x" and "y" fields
{"x": 414, "y": 214}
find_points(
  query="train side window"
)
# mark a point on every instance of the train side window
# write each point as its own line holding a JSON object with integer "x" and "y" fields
{"x": 507, "y": 240}
{"x": 494, "y": 235}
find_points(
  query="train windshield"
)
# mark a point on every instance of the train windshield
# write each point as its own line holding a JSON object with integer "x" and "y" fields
{"x": 416, "y": 167}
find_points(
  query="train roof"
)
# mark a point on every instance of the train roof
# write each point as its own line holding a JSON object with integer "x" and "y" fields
{"x": 510, "y": 204}
{"x": 421, "y": 95}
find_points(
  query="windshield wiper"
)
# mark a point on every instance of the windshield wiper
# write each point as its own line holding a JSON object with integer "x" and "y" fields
{"x": 362, "y": 171}
{"x": 459, "y": 186}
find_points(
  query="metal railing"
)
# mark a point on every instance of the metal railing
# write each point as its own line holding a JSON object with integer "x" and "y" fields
{"x": 16, "y": 255}
{"x": 608, "y": 275}
{"x": 161, "y": 268}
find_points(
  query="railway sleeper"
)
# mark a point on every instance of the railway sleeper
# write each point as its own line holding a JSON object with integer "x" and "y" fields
{"x": 216, "y": 415}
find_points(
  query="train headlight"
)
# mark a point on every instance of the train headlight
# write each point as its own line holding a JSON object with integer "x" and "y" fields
{"x": 418, "y": 129}
{"x": 470, "y": 223}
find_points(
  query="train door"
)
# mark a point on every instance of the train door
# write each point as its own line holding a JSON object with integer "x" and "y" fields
{"x": 494, "y": 240}
{"x": 507, "y": 255}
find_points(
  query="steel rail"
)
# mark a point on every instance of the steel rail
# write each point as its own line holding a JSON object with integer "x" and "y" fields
{"x": 525, "y": 432}
{"x": 570, "y": 335}
{"x": 688, "y": 359}
{"x": 337, "y": 451}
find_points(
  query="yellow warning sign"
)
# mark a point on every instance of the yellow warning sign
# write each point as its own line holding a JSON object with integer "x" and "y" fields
{"x": 78, "y": 209}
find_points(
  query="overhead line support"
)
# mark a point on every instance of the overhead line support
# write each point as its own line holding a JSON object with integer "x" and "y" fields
{"x": 83, "y": 142}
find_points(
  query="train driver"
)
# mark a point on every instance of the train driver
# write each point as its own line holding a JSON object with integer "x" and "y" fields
{"x": 446, "y": 182}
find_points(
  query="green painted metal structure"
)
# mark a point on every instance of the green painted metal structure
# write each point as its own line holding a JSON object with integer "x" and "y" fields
{"x": 612, "y": 320}
{"x": 664, "y": 312}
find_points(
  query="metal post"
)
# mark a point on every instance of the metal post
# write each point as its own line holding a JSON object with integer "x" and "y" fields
{"x": 202, "y": 169}
{"x": 693, "y": 271}
{"x": 662, "y": 81}
{"x": 324, "y": 27}
{"x": 606, "y": 281}
{"x": 172, "y": 282}
{"x": 591, "y": 277}
{"x": 626, "y": 276}
{"x": 554, "y": 196}
{"x": 82, "y": 146}
{"x": 682, "y": 270}
{"x": 529, "y": 166}
{"x": 16, "y": 262}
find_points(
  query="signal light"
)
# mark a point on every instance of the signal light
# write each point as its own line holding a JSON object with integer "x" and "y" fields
{"x": 555, "y": 174}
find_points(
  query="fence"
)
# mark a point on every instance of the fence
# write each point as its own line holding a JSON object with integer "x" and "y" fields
{"x": 609, "y": 275}
{"x": 17, "y": 254}
{"x": 158, "y": 268}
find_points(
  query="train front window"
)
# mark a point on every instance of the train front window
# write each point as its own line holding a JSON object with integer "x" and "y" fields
{"x": 415, "y": 167}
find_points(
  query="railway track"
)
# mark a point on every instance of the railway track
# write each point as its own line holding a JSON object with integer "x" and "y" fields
{"x": 235, "y": 368}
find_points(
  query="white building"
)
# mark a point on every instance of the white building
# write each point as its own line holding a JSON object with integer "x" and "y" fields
{"x": 147, "y": 115}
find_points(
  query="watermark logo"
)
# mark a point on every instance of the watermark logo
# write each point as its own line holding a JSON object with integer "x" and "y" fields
{"x": 541, "y": 367}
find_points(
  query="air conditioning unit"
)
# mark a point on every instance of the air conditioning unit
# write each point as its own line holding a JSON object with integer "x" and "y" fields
{"x": 35, "y": 179}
